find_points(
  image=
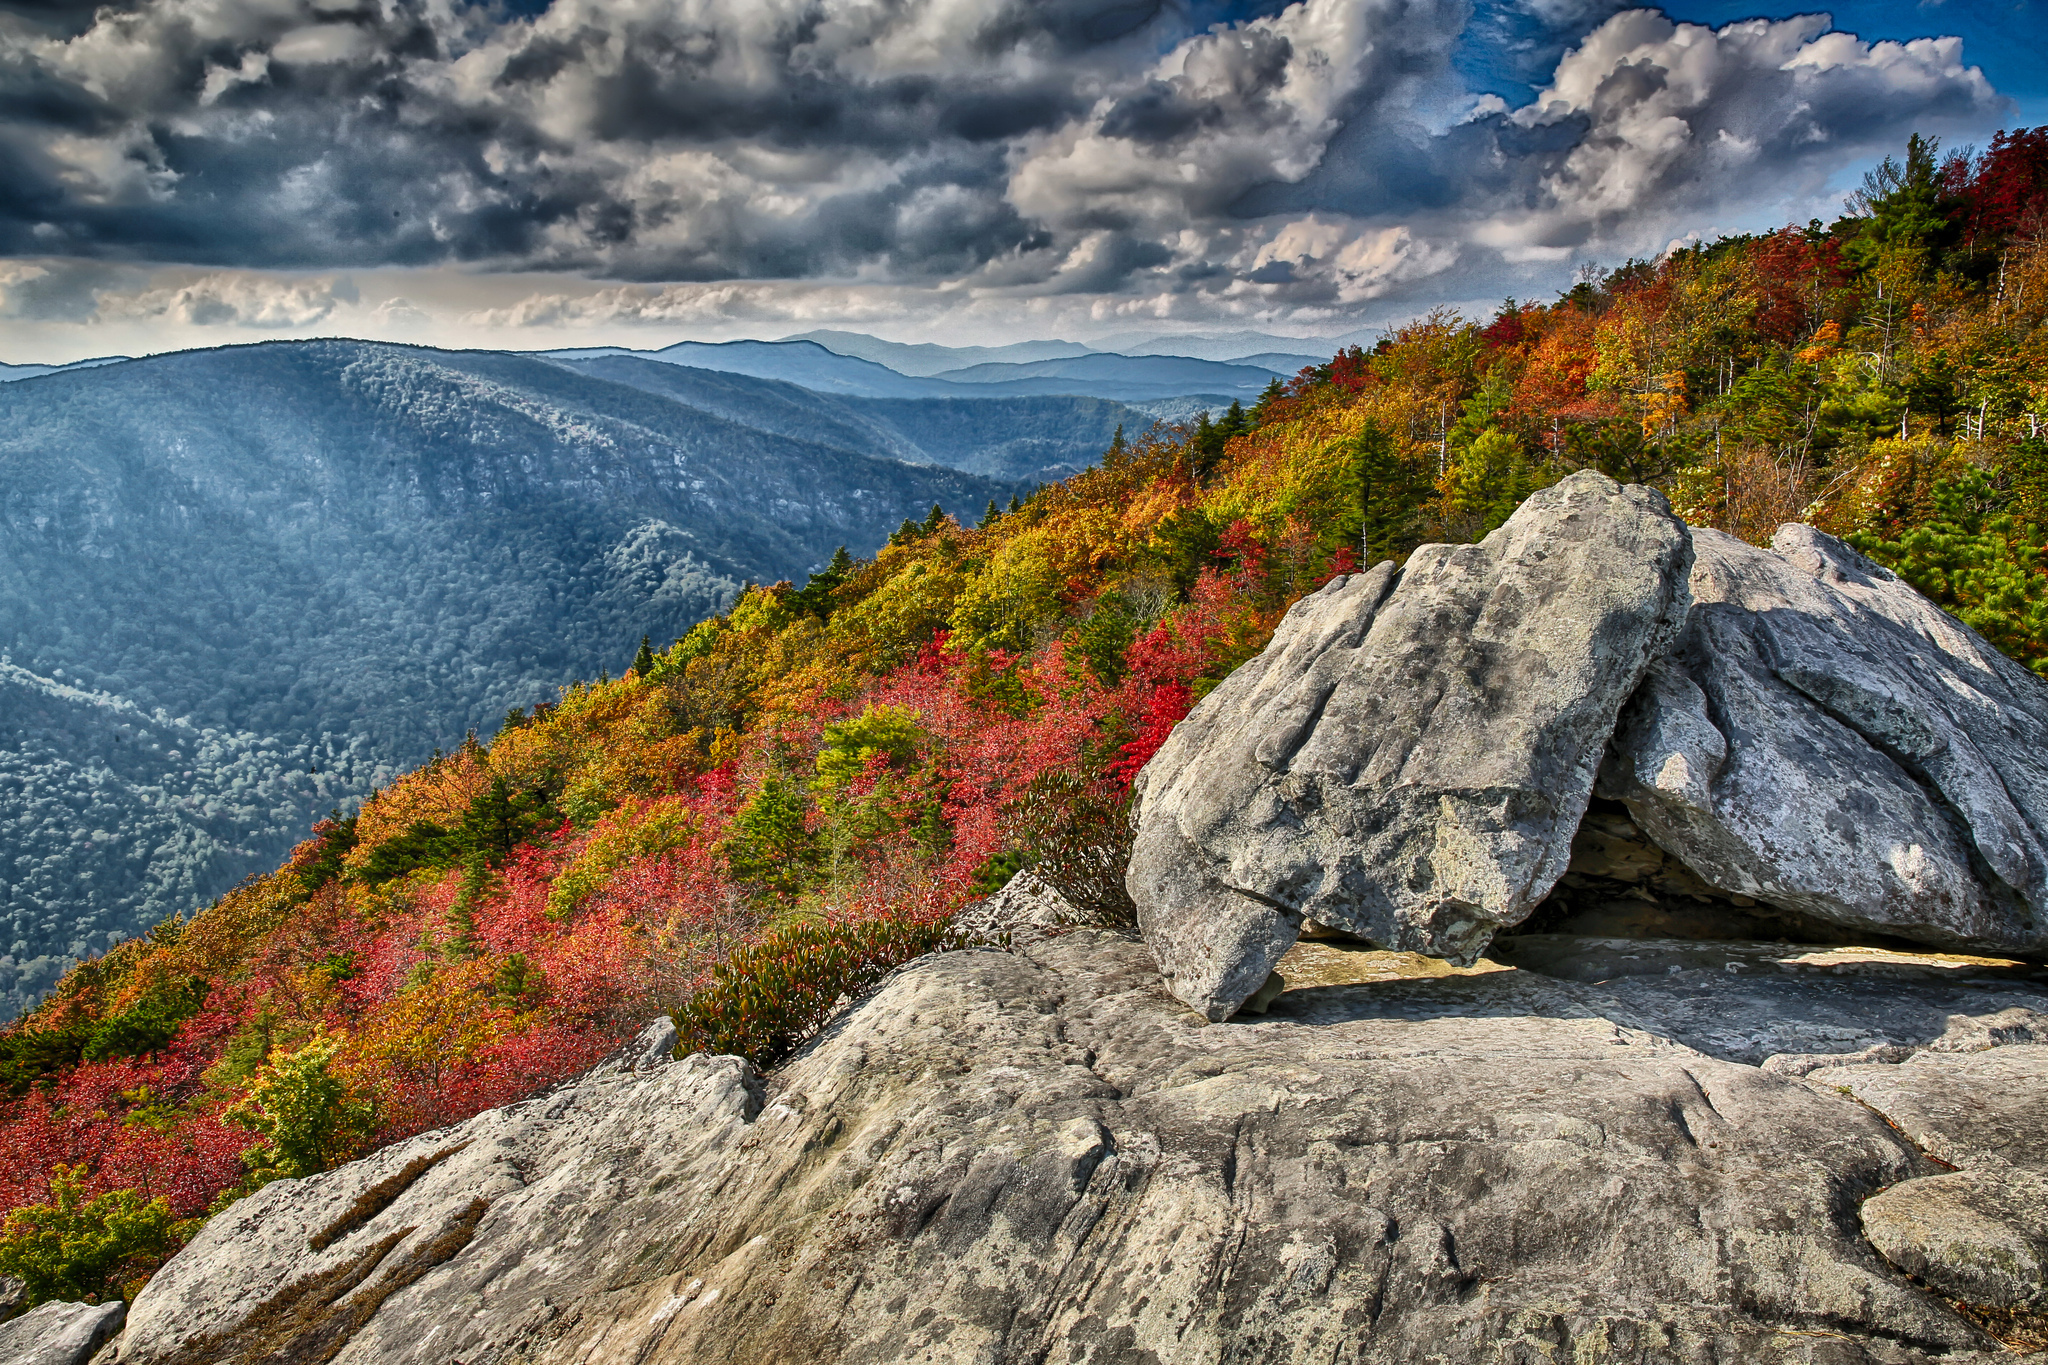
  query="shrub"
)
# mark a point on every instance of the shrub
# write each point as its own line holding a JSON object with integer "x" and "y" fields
{"x": 304, "y": 1112}
{"x": 1078, "y": 837}
{"x": 91, "y": 1250}
{"x": 767, "y": 998}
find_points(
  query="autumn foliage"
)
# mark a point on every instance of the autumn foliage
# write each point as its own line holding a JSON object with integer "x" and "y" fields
{"x": 756, "y": 822}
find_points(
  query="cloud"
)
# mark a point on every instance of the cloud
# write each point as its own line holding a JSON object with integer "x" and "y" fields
{"x": 91, "y": 293}
{"x": 1314, "y": 156}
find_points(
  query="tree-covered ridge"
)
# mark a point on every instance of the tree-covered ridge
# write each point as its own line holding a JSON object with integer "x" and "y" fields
{"x": 803, "y": 790}
{"x": 240, "y": 587}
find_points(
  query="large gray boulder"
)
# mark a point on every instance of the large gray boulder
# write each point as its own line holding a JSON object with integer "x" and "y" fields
{"x": 1826, "y": 740}
{"x": 1409, "y": 757}
{"x": 1040, "y": 1156}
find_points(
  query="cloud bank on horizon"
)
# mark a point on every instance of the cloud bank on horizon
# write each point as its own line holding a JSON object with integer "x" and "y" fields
{"x": 211, "y": 170}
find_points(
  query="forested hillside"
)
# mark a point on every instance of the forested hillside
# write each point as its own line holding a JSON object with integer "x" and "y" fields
{"x": 802, "y": 791}
{"x": 240, "y": 587}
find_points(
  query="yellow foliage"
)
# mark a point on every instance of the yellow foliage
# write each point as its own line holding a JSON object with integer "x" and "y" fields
{"x": 634, "y": 830}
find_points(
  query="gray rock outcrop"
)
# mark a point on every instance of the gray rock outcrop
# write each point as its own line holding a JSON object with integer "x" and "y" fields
{"x": 59, "y": 1333}
{"x": 1039, "y": 1156}
{"x": 1977, "y": 1234}
{"x": 1408, "y": 759}
{"x": 1825, "y": 739}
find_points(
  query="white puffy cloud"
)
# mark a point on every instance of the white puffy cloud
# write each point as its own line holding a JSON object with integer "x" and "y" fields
{"x": 1668, "y": 116}
{"x": 841, "y": 159}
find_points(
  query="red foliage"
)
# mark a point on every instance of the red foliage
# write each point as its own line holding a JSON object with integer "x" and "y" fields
{"x": 1798, "y": 275}
{"x": 1351, "y": 370}
{"x": 2008, "y": 192}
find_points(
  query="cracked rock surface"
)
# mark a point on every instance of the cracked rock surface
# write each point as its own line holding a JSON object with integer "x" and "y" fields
{"x": 58, "y": 1333}
{"x": 1409, "y": 758}
{"x": 1978, "y": 1233}
{"x": 1040, "y": 1156}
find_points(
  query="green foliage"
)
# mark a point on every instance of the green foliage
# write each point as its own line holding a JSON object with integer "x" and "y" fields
{"x": 771, "y": 847}
{"x": 643, "y": 661}
{"x": 420, "y": 844}
{"x": 815, "y": 596}
{"x": 148, "y": 1024}
{"x": 1902, "y": 204}
{"x": 891, "y": 733}
{"x": 1390, "y": 490}
{"x": 1978, "y": 560}
{"x": 767, "y": 998}
{"x": 1489, "y": 481}
{"x": 1184, "y": 544}
{"x": 1106, "y": 634}
{"x": 29, "y": 1054}
{"x": 335, "y": 837}
{"x": 305, "y": 1114}
{"x": 996, "y": 873}
{"x": 75, "y": 1249}
{"x": 498, "y": 820}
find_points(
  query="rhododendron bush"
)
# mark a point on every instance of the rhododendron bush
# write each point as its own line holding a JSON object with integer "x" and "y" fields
{"x": 753, "y": 824}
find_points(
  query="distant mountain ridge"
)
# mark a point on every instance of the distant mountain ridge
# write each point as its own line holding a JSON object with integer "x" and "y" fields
{"x": 1094, "y": 374}
{"x": 240, "y": 586}
{"x": 924, "y": 359}
{"x": 9, "y": 373}
{"x": 1021, "y": 437}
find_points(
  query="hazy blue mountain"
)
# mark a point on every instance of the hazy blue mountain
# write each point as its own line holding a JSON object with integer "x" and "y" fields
{"x": 1283, "y": 363}
{"x": 928, "y": 358}
{"x": 9, "y": 373}
{"x": 1121, "y": 377}
{"x": 1225, "y": 345}
{"x": 796, "y": 362}
{"x": 240, "y": 586}
{"x": 1033, "y": 439}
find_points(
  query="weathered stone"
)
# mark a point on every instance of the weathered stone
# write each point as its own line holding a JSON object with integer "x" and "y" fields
{"x": 1027, "y": 909}
{"x": 1978, "y": 1237}
{"x": 1980, "y": 1234}
{"x": 1408, "y": 759}
{"x": 59, "y": 1333}
{"x": 1038, "y": 1156}
{"x": 1822, "y": 738}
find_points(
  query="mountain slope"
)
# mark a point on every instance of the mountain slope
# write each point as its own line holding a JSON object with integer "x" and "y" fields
{"x": 240, "y": 586}
{"x": 10, "y": 373}
{"x": 796, "y": 362}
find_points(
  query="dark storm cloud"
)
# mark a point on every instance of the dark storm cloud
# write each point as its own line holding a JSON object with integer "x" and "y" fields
{"x": 1323, "y": 152}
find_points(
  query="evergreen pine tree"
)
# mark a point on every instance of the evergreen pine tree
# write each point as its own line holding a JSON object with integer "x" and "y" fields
{"x": 934, "y": 520}
{"x": 643, "y": 662}
{"x": 988, "y": 518}
{"x": 1016, "y": 505}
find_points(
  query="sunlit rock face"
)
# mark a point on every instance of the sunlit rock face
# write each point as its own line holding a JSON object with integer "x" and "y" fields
{"x": 1040, "y": 1155}
{"x": 1824, "y": 739}
{"x": 1410, "y": 756}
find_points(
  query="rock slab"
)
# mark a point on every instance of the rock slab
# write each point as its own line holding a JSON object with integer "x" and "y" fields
{"x": 1824, "y": 739}
{"x": 59, "y": 1333}
{"x": 1041, "y": 1156}
{"x": 1408, "y": 759}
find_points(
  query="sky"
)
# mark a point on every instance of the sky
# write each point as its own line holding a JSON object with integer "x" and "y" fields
{"x": 537, "y": 173}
